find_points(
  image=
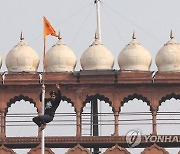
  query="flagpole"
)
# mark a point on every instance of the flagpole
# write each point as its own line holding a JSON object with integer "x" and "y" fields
{"x": 42, "y": 139}
{"x": 48, "y": 29}
{"x": 97, "y": 2}
{"x": 43, "y": 96}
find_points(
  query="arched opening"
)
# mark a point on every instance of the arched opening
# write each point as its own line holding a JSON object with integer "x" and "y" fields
{"x": 64, "y": 122}
{"x": 97, "y": 118}
{"x": 105, "y": 118}
{"x": 135, "y": 115}
{"x": 19, "y": 121}
{"x": 168, "y": 116}
{"x": 168, "y": 119}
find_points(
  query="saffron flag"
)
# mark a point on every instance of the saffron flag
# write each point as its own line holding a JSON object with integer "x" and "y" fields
{"x": 48, "y": 29}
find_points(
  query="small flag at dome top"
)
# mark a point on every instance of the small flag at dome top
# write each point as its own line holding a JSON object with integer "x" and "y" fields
{"x": 48, "y": 29}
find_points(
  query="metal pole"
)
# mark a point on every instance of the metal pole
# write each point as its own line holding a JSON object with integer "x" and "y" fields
{"x": 97, "y": 2}
{"x": 43, "y": 96}
{"x": 42, "y": 137}
{"x": 95, "y": 122}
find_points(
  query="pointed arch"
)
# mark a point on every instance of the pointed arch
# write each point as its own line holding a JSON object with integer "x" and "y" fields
{"x": 168, "y": 97}
{"x": 97, "y": 96}
{"x": 64, "y": 98}
{"x": 100, "y": 114}
{"x": 26, "y": 98}
{"x": 137, "y": 96}
{"x": 18, "y": 98}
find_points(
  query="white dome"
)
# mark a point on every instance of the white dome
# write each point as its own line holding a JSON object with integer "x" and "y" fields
{"x": 22, "y": 58}
{"x": 168, "y": 57}
{"x": 134, "y": 57}
{"x": 60, "y": 58}
{"x": 97, "y": 57}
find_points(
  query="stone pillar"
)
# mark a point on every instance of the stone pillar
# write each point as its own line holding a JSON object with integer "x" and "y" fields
{"x": 154, "y": 122}
{"x": 3, "y": 124}
{"x": 116, "y": 123}
{"x": 79, "y": 98}
{"x": 116, "y": 110}
{"x": 78, "y": 122}
{"x": 154, "y": 108}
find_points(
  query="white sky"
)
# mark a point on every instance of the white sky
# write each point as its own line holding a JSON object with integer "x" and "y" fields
{"x": 76, "y": 19}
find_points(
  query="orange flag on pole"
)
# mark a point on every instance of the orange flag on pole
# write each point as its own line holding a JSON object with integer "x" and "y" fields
{"x": 48, "y": 29}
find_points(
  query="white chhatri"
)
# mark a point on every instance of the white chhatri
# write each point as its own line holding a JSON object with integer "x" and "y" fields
{"x": 168, "y": 57}
{"x": 134, "y": 57}
{"x": 22, "y": 58}
{"x": 97, "y": 57}
{"x": 60, "y": 58}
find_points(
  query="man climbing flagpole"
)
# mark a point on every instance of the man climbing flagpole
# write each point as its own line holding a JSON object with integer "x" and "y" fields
{"x": 48, "y": 30}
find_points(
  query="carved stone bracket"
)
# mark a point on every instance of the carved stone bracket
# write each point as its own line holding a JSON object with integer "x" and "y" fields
{"x": 37, "y": 150}
{"x": 154, "y": 149}
{"x": 4, "y": 150}
{"x": 78, "y": 149}
{"x": 116, "y": 150}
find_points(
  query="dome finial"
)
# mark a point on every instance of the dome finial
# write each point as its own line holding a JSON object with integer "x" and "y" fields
{"x": 171, "y": 34}
{"x": 21, "y": 36}
{"x": 134, "y": 35}
{"x": 59, "y": 36}
{"x": 96, "y": 36}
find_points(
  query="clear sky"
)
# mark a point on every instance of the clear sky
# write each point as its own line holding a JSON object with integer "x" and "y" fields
{"x": 151, "y": 20}
{"x": 76, "y": 20}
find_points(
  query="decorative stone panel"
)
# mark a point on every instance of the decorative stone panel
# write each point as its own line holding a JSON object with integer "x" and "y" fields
{"x": 116, "y": 150}
{"x": 78, "y": 149}
{"x": 154, "y": 149}
{"x": 4, "y": 150}
{"x": 37, "y": 150}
